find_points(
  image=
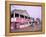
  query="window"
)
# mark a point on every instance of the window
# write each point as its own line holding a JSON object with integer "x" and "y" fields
{"x": 26, "y": 17}
{"x": 21, "y": 16}
{"x": 16, "y": 15}
{"x": 11, "y": 15}
{"x": 30, "y": 22}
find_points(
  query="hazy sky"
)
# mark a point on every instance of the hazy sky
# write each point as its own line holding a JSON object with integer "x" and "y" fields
{"x": 33, "y": 11}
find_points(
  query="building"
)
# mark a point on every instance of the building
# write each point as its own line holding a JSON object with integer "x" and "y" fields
{"x": 21, "y": 18}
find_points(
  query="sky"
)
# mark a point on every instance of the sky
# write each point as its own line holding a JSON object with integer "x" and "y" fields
{"x": 33, "y": 11}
